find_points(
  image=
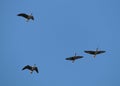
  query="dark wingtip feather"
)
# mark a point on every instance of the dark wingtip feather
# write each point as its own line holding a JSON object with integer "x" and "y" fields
{"x": 32, "y": 18}
{"x": 86, "y": 51}
{"x": 20, "y": 14}
{"x": 66, "y": 59}
{"x": 36, "y": 69}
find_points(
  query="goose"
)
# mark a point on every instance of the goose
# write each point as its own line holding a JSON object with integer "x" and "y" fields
{"x": 31, "y": 68}
{"x": 28, "y": 17}
{"x": 94, "y": 53}
{"x": 73, "y": 58}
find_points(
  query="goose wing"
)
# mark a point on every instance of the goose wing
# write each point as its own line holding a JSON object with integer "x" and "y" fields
{"x": 23, "y": 15}
{"x": 32, "y": 17}
{"x": 36, "y": 69}
{"x": 27, "y": 67}
{"x": 99, "y": 52}
{"x": 70, "y": 58}
{"x": 78, "y": 57}
{"x": 90, "y": 52}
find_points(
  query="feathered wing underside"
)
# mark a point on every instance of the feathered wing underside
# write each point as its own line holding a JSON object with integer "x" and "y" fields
{"x": 99, "y": 52}
{"x": 23, "y": 15}
{"x": 69, "y": 58}
{"x": 90, "y": 52}
{"x": 78, "y": 57}
{"x": 36, "y": 69}
{"x": 32, "y": 18}
{"x": 27, "y": 67}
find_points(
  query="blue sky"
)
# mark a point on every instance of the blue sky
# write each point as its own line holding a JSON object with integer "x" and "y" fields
{"x": 60, "y": 28}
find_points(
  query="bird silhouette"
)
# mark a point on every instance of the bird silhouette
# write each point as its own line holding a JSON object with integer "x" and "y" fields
{"x": 94, "y": 53}
{"x": 31, "y": 68}
{"x": 28, "y": 17}
{"x": 73, "y": 58}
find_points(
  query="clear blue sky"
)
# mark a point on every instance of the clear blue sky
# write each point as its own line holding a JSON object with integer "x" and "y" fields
{"x": 60, "y": 28}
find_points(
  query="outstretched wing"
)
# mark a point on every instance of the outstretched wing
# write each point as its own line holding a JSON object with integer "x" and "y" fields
{"x": 90, "y": 52}
{"x": 78, "y": 57}
{"x": 27, "y": 67}
{"x": 36, "y": 69}
{"x": 23, "y": 15}
{"x": 32, "y": 17}
{"x": 99, "y": 52}
{"x": 69, "y": 58}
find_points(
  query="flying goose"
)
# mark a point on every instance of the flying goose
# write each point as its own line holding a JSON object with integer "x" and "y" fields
{"x": 73, "y": 58}
{"x": 94, "y": 52}
{"x": 28, "y": 17}
{"x": 31, "y": 68}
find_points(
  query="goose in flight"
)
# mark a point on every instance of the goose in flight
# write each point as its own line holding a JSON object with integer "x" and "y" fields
{"x": 94, "y": 53}
{"x": 73, "y": 58}
{"x": 28, "y": 17}
{"x": 31, "y": 68}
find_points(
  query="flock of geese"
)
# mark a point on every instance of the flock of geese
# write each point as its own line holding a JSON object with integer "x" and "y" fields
{"x": 73, "y": 58}
{"x": 94, "y": 53}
